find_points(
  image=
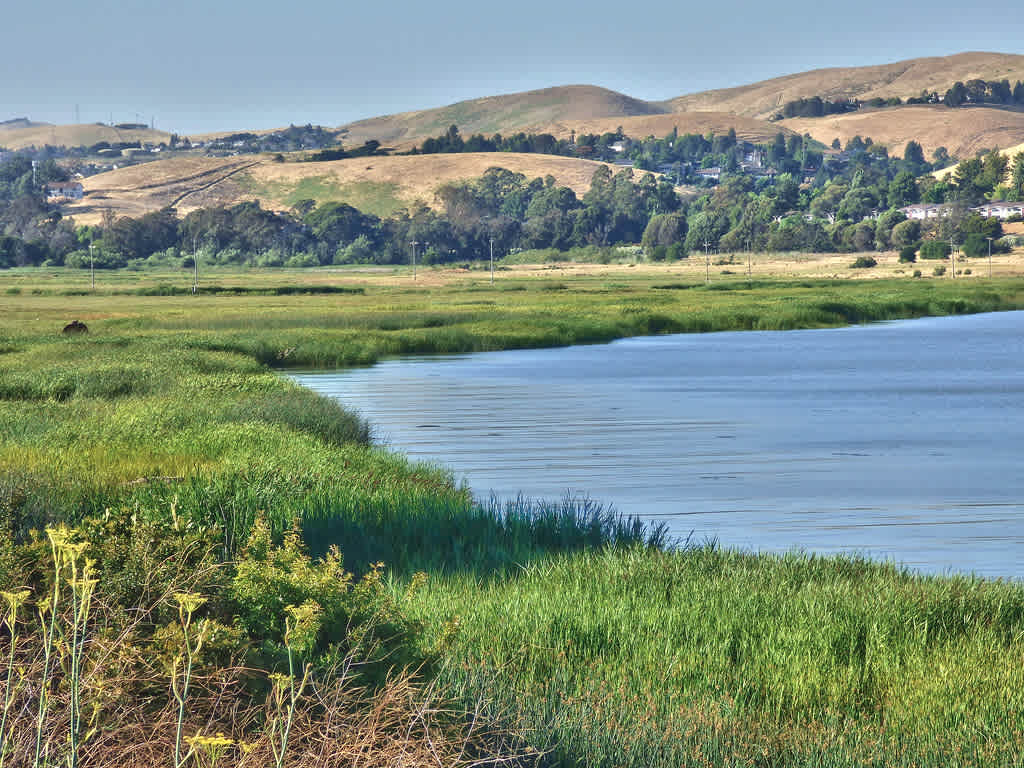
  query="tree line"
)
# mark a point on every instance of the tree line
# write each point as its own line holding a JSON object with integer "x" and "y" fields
{"x": 849, "y": 204}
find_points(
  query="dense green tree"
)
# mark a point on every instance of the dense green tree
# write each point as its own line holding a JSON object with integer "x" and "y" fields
{"x": 902, "y": 190}
{"x": 663, "y": 230}
{"x": 913, "y": 158}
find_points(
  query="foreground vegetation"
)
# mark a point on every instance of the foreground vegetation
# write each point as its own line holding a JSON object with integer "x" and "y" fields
{"x": 557, "y": 634}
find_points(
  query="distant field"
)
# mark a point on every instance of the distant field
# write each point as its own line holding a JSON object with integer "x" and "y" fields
{"x": 39, "y": 135}
{"x": 961, "y": 131}
{"x": 379, "y": 185}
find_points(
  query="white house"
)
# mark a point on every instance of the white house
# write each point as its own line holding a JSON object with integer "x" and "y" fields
{"x": 1000, "y": 210}
{"x": 64, "y": 190}
{"x": 926, "y": 210}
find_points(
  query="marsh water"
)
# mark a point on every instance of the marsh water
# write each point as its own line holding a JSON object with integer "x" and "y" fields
{"x": 903, "y": 441}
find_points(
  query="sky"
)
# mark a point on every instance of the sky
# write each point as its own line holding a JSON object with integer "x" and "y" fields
{"x": 193, "y": 66}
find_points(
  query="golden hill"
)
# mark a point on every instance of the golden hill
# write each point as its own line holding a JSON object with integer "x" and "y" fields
{"x": 902, "y": 78}
{"x": 501, "y": 114}
{"x": 961, "y": 131}
{"x": 379, "y": 185}
{"x": 1010, "y": 152}
{"x": 642, "y": 126}
{"x": 20, "y": 135}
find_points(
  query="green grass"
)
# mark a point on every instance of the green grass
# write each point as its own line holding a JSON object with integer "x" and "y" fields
{"x": 637, "y": 657}
{"x": 379, "y": 198}
{"x": 575, "y": 626}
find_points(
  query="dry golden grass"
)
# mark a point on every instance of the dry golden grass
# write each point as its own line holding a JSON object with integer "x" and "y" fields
{"x": 19, "y": 136}
{"x": 500, "y": 114}
{"x": 184, "y": 182}
{"x": 1010, "y": 152}
{"x": 417, "y": 177}
{"x": 693, "y": 269}
{"x": 190, "y": 183}
{"x": 903, "y": 79}
{"x": 961, "y": 131}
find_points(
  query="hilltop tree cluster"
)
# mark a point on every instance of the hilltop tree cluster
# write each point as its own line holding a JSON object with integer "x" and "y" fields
{"x": 589, "y": 146}
{"x": 985, "y": 92}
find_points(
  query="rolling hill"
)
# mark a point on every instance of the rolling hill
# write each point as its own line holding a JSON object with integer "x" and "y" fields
{"x": 501, "y": 114}
{"x": 379, "y": 185}
{"x": 21, "y": 134}
{"x": 961, "y": 131}
{"x": 901, "y": 78}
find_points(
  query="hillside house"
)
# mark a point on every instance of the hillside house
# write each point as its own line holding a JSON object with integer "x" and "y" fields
{"x": 1000, "y": 210}
{"x": 714, "y": 173}
{"x": 64, "y": 190}
{"x": 926, "y": 211}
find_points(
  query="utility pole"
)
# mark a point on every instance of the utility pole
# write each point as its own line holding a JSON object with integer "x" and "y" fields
{"x": 92, "y": 266}
{"x": 707, "y": 262}
{"x": 952, "y": 258}
{"x": 414, "y": 243}
{"x": 195, "y": 267}
{"x": 748, "y": 258}
{"x": 492, "y": 261}
{"x": 989, "y": 256}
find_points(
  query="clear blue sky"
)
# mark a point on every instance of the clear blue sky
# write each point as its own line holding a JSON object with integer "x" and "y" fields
{"x": 203, "y": 65}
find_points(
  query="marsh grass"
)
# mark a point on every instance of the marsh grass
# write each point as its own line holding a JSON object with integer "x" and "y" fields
{"x": 563, "y": 622}
{"x": 636, "y": 658}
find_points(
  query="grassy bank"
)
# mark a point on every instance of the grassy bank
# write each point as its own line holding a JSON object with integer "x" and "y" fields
{"x": 563, "y": 623}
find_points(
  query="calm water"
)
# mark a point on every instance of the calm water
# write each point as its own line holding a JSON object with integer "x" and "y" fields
{"x": 903, "y": 440}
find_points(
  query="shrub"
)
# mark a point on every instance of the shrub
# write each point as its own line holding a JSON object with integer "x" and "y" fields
{"x": 939, "y": 271}
{"x": 917, "y": 273}
{"x": 975, "y": 245}
{"x": 935, "y": 249}
{"x": 908, "y": 254}
{"x": 864, "y": 262}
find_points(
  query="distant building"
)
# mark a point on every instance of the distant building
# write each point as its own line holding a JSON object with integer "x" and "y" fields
{"x": 926, "y": 211}
{"x": 64, "y": 190}
{"x": 710, "y": 173}
{"x": 1000, "y": 210}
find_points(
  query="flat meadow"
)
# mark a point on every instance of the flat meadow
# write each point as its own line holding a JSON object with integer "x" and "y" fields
{"x": 549, "y": 634}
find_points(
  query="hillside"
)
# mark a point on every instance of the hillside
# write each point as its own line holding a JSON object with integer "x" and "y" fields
{"x": 961, "y": 131}
{"x": 501, "y": 114}
{"x": 21, "y": 134}
{"x": 642, "y": 126}
{"x": 902, "y": 78}
{"x": 1011, "y": 153}
{"x": 379, "y": 185}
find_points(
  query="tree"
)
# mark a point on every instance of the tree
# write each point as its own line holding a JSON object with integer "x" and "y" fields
{"x": 940, "y": 157}
{"x": 956, "y": 95}
{"x": 902, "y": 190}
{"x": 1017, "y": 174}
{"x": 663, "y": 230}
{"x": 913, "y": 158}
{"x": 906, "y": 233}
{"x": 975, "y": 245}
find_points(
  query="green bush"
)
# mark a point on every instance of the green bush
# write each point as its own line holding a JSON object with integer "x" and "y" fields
{"x": 935, "y": 249}
{"x": 864, "y": 262}
{"x": 908, "y": 254}
{"x": 939, "y": 271}
{"x": 358, "y": 617}
{"x": 917, "y": 273}
{"x": 975, "y": 245}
